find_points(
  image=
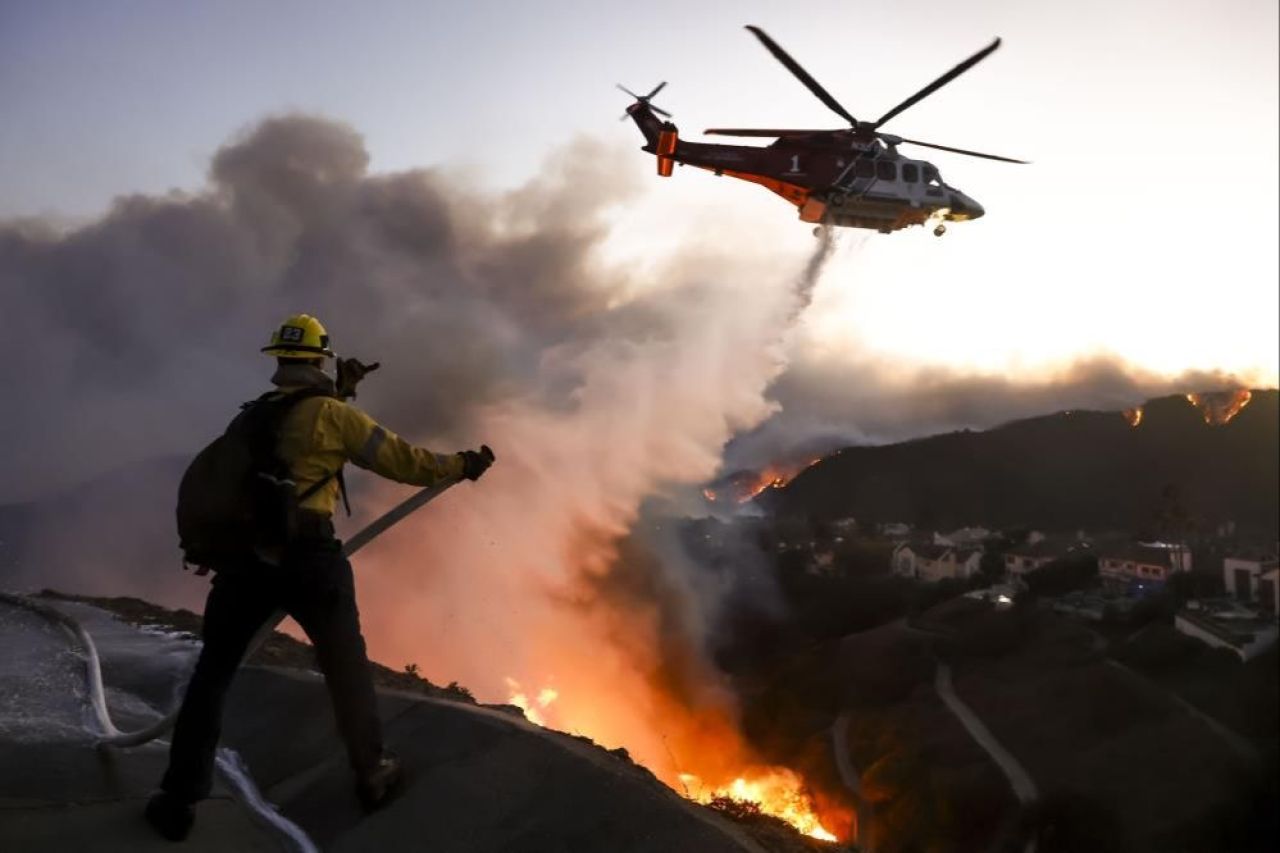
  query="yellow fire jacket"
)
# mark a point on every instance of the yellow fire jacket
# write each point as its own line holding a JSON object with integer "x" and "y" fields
{"x": 320, "y": 434}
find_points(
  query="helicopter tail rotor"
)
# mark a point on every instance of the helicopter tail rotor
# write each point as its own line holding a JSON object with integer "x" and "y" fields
{"x": 645, "y": 99}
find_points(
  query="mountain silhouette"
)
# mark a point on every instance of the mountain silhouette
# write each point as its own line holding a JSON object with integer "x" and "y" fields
{"x": 1066, "y": 471}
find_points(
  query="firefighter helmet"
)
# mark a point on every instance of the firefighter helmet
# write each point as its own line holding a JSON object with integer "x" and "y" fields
{"x": 300, "y": 336}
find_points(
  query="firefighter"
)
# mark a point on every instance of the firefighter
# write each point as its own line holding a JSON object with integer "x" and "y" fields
{"x": 309, "y": 577}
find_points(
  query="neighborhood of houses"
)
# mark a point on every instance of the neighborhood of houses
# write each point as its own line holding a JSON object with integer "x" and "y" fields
{"x": 1243, "y": 619}
{"x": 1229, "y": 598}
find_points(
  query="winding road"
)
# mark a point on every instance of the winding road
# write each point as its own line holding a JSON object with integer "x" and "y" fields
{"x": 1023, "y": 788}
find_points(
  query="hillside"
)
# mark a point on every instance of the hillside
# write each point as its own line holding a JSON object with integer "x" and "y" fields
{"x": 1106, "y": 749}
{"x": 479, "y": 778}
{"x": 1081, "y": 469}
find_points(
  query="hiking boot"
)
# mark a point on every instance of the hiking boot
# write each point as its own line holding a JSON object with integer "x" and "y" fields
{"x": 377, "y": 787}
{"x": 170, "y": 816}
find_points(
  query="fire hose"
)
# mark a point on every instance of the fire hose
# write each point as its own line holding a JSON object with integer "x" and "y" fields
{"x": 227, "y": 761}
{"x": 112, "y": 736}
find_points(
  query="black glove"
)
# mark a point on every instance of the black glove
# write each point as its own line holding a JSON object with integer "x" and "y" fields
{"x": 476, "y": 462}
{"x": 350, "y": 372}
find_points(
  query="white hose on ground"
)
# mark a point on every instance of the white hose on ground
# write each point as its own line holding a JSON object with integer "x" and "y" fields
{"x": 227, "y": 761}
{"x": 114, "y": 737}
{"x": 108, "y": 733}
{"x": 237, "y": 775}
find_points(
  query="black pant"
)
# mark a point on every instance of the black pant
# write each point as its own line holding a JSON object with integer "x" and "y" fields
{"x": 313, "y": 584}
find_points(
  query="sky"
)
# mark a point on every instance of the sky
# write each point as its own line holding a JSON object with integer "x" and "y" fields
{"x": 1145, "y": 229}
{"x": 450, "y": 188}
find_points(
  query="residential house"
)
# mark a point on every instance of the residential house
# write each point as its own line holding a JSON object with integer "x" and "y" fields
{"x": 895, "y": 530}
{"x": 903, "y": 561}
{"x": 1021, "y": 559}
{"x": 1228, "y": 625}
{"x": 1039, "y": 551}
{"x": 1254, "y": 578}
{"x": 929, "y": 562}
{"x": 1143, "y": 563}
{"x": 965, "y": 537}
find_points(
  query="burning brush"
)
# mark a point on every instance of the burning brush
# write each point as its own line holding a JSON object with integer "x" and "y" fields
{"x": 741, "y": 487}
{"x": 777, "y": 792}
{"x": 774, "y": 791}
{"x": 1219, "y": 407}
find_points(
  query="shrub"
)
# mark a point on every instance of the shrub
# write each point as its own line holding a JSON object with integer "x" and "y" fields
{"x": 460, "y": 692}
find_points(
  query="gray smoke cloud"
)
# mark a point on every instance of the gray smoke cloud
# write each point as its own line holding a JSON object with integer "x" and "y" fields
{"x": 130, "y": 340}
{"x": 825, "y": 403}
{"x": 134, "y": 336}
{"x": 497, "y": 320}
{"x": 141, "y": 331}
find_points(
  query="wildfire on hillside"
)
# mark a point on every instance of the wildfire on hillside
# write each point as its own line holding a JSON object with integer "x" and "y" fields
{"x": 776, "y": 791}
{"x": 533, "y": 707}
{"x": 1219, "y": 407}
{"x": 741, "y": 487}
{"x": 1133, "y": 416}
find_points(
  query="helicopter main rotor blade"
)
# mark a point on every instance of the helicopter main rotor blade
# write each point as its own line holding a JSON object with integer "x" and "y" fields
{"x": 656, "y": 90}
{"x": 748, "y": 131}
{"x": 940, "y": 82}
{"x": 965, "y": 151}
{"x": 628, "y": 91}
{"x": 804, "y": 77}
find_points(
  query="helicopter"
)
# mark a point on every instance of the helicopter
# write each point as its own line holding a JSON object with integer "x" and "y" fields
{"x": 851, "y": 177}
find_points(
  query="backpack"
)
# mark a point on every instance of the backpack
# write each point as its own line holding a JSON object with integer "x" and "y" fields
{"x": 238, "y": 496}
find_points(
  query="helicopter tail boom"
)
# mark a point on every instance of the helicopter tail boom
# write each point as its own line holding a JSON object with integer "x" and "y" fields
{"x": 650, "y": 125}
{"x": 661, "y": 137}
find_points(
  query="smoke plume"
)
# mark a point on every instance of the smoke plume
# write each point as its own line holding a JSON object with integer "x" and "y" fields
{"x": 131, "y": 339}
{"x": 826, "y": 402}
{"x": 496, "y": 321}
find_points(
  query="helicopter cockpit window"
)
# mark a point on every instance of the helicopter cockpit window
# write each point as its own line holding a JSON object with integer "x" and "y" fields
{"x": 864, "y": 169}
{"x": 931, "y": 177}
{"x": 886, "y": 171}
{"x": 910, "y": 173}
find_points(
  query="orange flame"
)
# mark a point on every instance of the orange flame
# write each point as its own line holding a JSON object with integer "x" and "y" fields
{"x": 742, "y": 489}
{"x": 776, "y": 790}
{"x": 1219, "y": 407}
{"x": 1133, "y": 416}
{"x": 533, "y": 708}
{"x": 526, "y": 556}
{"x": 769, "y": 478}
